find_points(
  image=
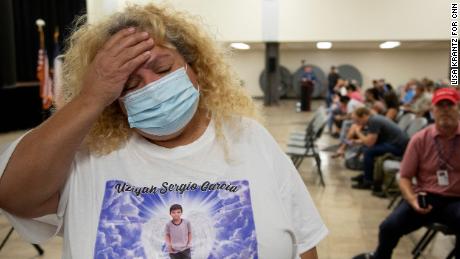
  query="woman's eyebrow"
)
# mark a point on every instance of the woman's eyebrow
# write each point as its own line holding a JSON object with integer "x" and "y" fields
{"x": 158, "y": 60}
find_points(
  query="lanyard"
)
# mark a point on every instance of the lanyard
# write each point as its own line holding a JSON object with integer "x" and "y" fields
{"x": 442, "y": 158}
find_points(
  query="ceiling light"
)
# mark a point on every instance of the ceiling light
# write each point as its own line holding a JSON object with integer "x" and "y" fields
{"x": 240, "y": 45}
{"x": 324, "y": 45}
{"x": 390, "y": 44}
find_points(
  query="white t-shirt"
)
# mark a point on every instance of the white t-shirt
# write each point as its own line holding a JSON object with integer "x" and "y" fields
{"x": 116, "y": 206}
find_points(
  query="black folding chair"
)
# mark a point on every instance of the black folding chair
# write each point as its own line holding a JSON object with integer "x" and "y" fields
{"x": 309, "y": 148}
{"x": 430, "y": 233}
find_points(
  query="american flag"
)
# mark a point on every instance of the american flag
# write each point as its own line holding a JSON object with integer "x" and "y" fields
{"x": 46, "y": 83}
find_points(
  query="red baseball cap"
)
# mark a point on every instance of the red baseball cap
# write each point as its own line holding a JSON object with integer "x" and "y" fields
{"x": 447, "y": 93}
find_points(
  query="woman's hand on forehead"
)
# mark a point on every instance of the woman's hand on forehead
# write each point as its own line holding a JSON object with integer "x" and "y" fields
{"x": 162, "y": 61}
{"x": 124, "y": 52}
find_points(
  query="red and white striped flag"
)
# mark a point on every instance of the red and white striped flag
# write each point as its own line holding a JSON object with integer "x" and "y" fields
{"x": 46, "y": 83}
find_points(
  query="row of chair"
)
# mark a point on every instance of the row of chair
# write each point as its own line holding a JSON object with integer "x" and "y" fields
{"x": 303, "y": 144}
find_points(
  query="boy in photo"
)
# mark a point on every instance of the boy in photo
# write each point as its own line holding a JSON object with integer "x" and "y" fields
{"x": 178, "y": 234}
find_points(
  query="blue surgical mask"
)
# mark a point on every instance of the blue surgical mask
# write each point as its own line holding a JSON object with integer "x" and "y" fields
{"x": 162, "y": 107}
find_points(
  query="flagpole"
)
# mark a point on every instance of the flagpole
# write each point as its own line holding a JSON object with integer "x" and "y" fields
{"x": 40, "y": 24}
{"x": 43, "y": 71}
{"x": 56, "y": 35}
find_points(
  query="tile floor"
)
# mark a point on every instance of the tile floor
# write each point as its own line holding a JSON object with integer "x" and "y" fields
{"x": 352, "y": 216}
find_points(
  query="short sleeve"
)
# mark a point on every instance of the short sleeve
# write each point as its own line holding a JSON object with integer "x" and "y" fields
{"x": 189, "y": 226}
{"x": 374, "y": 126}
{"x": 298, "y": 205}
{"x": 167, "y": 229}
{"x": 305, "y": 219}
{"x": 40, "y": 229}
{"x": 410, "y": 162}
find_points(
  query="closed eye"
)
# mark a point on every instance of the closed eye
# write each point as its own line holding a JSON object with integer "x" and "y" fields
{"x": 164, "y": 71}
{"x": 132, "y": 83}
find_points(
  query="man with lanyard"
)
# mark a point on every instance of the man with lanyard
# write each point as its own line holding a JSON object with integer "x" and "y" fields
{"x": 432, "y": 157}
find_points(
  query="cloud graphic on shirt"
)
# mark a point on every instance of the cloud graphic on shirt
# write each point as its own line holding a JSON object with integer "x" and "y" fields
{"x": 123, "y": 207}
{"x": 101, "y": 239}
{"x": 107, "y": 253}
{"x": 133, "y": 226}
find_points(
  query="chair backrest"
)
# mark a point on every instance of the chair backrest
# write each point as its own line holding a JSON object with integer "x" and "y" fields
{"x": 399, "y": 115}
{"x": 416, "y": 125}
{"x": 405, "y": 120}
{"x": 319, "y": 123}
{"x": 311, "y": 124}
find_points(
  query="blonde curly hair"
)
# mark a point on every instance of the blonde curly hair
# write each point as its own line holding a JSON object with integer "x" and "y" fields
{"x": 221, "y": 93}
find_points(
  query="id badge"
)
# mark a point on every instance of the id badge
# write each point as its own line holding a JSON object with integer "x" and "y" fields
{"x": 443, "y": 177}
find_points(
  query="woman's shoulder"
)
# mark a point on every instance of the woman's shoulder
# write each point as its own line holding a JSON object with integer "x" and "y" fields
{"x": 244, "y": 126}
{"x": 248, "y": 131}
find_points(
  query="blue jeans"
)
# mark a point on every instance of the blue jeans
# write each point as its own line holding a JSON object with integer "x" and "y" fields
{"x": 370, "y": 153}
{"x": 333, "y": 111}
{"x": 403, "y": 220}
{"x": 346, "y": 125}
{"x": 329, "y": 96}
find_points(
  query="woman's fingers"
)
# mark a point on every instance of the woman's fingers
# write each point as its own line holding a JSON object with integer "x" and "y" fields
{"x": 134, "y": 51}
{"x": 135, "y": 62}
{"x": 127, "y": 42}
{"x": 124, "y": 46}
{"x": 118, "y": 36}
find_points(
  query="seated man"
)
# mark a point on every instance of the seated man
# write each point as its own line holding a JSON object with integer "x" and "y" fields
{"x": 420, "y": 103}
{"x": 432, "y": 158}
{"x": 384, "y": 136}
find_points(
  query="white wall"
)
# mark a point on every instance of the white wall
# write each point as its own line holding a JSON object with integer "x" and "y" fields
{"x": 311, "y": 20}
{"x": 249, "y": 64}
{"x": 337, "y": 20}
{"x": 397, "y": 66}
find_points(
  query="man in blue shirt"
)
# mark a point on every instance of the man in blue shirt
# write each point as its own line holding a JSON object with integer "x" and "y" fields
{"x": 308, "y": 81}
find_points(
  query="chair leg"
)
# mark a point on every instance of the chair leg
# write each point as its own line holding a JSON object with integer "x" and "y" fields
{"x": 393, "y": 179}
{"x": 320, "y": 172}
{"x": 393, "y": 200}
{"x": 296, "y": 160}
{"x": 433, "y": 234}
{"x": 299, "y": 162}
{"x": 422, "y": 244}
{"x": 6, "y": 238}
{"x": 451, "y": 254}
{"x": 39, "y": 249}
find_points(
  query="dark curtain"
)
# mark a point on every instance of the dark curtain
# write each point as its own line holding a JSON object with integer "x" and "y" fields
{"x": 55, "y": 13}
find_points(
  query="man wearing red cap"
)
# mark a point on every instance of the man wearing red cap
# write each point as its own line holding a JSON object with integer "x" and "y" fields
{"x": 432, "y": 157}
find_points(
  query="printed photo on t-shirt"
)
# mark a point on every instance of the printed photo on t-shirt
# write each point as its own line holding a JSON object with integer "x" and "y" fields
{"x": 176, "y": 220}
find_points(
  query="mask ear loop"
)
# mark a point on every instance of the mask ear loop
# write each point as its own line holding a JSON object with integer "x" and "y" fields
{"x": 186, "y": 66}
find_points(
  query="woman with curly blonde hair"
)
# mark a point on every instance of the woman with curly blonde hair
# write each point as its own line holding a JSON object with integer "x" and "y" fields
{"x": 151, "y": 115}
